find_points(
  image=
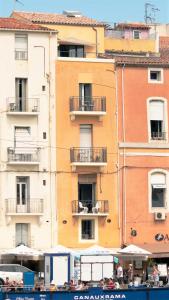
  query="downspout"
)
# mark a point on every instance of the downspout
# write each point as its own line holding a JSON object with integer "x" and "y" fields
{"x": 118, "y": 161}
{"x": 124, "y": 162}
{"x": 96, "y": 40}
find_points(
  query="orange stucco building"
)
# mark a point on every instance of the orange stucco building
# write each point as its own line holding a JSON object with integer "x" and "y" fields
{"x": 87, "y": 154}
{"x": 143, "y": 150}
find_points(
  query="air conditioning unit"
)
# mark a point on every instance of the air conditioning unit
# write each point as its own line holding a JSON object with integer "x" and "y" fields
{"x": 159, "y": 216}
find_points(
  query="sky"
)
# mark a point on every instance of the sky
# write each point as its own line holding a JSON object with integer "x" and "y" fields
{"x": 110, "y": 11}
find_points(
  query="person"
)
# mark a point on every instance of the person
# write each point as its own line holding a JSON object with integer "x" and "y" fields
{"x": 155, "y": 275}
{"x": 130, "y": 273}
{"x": 7, "y": 284}
{"x": 120, "y": 274}
{"x": 111, "y": 284}
{"x": 52, "y": 286}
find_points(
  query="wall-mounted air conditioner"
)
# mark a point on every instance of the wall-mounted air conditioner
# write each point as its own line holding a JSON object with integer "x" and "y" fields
{"x": 159, "y": 216}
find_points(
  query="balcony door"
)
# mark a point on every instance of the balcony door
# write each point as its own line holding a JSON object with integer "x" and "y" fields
{"x": 85, "y": 143}
{"x": 22, "y": 194}
{"x": 20, "y": 93}
{"x": 86, "y": 195}
{"x": 85, "y": 93}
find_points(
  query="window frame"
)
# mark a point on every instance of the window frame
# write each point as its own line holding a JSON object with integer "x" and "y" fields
{"x": 155, "y": 70}
{"x": 81, "y": 240}
{"x": 165, "y": 121}
{"x": 22, "y": 52}
{"x": 138, "y": 31}
{"x": 166, "y": 203}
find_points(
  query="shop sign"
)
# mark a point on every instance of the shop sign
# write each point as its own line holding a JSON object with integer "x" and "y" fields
{"x": 161, "y": 237}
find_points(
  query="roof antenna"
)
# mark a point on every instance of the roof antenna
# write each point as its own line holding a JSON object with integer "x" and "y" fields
{"x": 150, "y": 13}
{"x": 17, "y": 1}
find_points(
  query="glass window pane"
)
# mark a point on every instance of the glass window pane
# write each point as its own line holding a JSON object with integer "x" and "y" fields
{"x": 158, "y": 197}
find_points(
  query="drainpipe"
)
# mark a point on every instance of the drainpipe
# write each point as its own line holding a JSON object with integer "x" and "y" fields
{"x": 118, "y": 160}
{"x": 96, "y": 40}
{"x": 124, "y": 162}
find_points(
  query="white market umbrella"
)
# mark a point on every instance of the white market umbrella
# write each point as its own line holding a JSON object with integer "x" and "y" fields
{"x": 22, "y": 251}
{"x": 59, "y": 249}
{"x": 134, "y": 251}
{"x": 96, "y": 249}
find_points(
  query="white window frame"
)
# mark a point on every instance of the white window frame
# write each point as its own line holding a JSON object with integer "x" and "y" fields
{"x": 136, "y": 30}
{"x": 95, "y": 227}
{"x": 155, "y": 70}
{"x": 166, "y": 206}
{"x": 150, "y": 140}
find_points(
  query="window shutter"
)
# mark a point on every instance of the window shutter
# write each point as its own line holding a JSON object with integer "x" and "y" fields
{"x": 158, "y": 179}
{"x": 157, "y": 110}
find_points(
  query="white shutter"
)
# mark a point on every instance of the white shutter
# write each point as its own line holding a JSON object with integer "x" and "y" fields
{"x": 21, "y": 41}
{"x": 23, "y": 140}
{"x": 85, "y": 136}
{"x": 157, "y": 110}
{"x": 158, "y": 179}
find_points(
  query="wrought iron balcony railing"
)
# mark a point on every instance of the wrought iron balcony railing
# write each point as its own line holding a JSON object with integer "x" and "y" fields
{"x": 90, "y": 207}
{"x": 24, "y": 155}
{"x": 88, "y": 155}
{"x": 88, "y": 104}
{"x": 158, "y": 135}
{"x": 28, "y": 206}
{"x": 30, "y": 105}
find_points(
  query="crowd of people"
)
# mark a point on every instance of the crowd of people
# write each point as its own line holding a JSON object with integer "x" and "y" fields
{"x": 121, "y": 279}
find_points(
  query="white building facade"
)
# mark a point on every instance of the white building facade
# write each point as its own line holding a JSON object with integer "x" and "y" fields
{"x": 27, "y": 137}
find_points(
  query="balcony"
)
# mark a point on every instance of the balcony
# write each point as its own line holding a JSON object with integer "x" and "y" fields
{"x": 23, "y": 156}
{"x": 90, "y": 208}
{"x": 23, "y": 106}
{"x": 31, "y": 207}
{"x": 88, "y": 106}
{"x": 88, "y": 157}
{"x": 158, "y": 136}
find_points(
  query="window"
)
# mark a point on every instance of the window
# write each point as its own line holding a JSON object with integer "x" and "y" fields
{"x": 71, "y": 51}
{"x": 22, "y": 231}
{"x": 22, "y": 194}
{"x": 85, "y": 97}
{"x": 21, "y": 47}
{"x": 155, "y": 75}
{"x": 88, "y": 229}
{"x": 136, "y": 34}
{"x": 158, "y": 190}
{"x": 20, "y": 94}
{"x": 157, "y": 125}
{"x": 22, "y": 138}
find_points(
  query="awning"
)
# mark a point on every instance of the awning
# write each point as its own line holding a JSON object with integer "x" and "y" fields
{"x": 74, "y": 41}
{"x": 158, "y": 250}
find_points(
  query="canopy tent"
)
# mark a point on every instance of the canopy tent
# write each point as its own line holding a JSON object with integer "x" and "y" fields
{"x": 22, "y": 251}
{"x": 134, "y": 251}
{"x": 59, "y": 249}
{"x": 98, "y": 250}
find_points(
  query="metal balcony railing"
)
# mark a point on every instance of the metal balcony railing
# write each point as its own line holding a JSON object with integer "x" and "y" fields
{"x": 32, "y": 206}
{"x": 88, "y": 104}
{"x": 88, "y": 155}
{"x": 90, "y": 206}
{"x": 23, "y": 155}
{"x": 21, "y": 54}
{"x": 23, "y": 104}
{"x": 158, "y": 135}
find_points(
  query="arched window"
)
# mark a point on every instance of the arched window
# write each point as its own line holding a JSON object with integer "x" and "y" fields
{"x": 157, "y": 120}
{"x": 158, "y": 190}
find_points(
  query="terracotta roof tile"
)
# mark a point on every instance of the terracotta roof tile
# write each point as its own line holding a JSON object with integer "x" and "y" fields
{"x": 11, "y": 23}
{"x": 50, "y": 18}
{"x": 157, "y": 59}
{"x": 132, "y": 25}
